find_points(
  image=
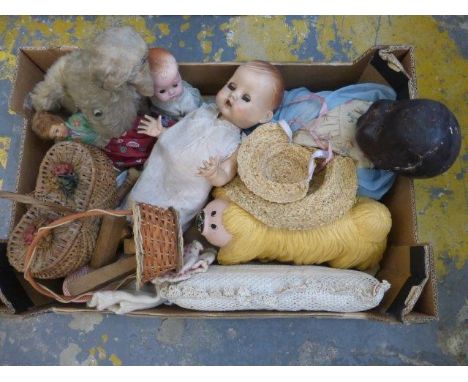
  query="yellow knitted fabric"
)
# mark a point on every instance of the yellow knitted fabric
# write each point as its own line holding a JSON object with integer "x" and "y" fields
{"x": 357, "y": 240}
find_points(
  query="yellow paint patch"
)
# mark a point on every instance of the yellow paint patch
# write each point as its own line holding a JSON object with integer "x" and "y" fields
{"x": 217, "y": 55}
{"x": 202, "y": 36}
{"x": 267, "y": 38}
{"x": 441, "y": 72}
{"x": 182, "y": 44}
{"x": 184, "y": 27}
{"x": 92, "y": 352}
{"x": 4, "y": 148}
{"x": 63, "y": 26}
{"x": 164, "y": 28}
{"x": 62, "y": 31}
{"x": 104, "y": 338}
{"x": 139, "y": 23}
{"x": 1, "y": 184}
{"x": 206, "y": 46}
{"x": 101, "y": 352}
{"x": 116, "y": 361}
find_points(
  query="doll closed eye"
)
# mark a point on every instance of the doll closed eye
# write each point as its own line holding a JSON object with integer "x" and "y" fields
{"x": 231, "y": 86}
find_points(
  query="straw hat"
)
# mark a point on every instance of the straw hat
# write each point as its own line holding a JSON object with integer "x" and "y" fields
{"x": 330, "y": 194}
{"x": 272, "y": 167}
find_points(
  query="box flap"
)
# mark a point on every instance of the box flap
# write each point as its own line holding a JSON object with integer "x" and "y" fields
{"x": 400, "y": 202}
{"x": 409, "y": 270}
{"x": 392, "y": 66}
{"x": 31, "y": 64}
{"x": 28, "y": 74}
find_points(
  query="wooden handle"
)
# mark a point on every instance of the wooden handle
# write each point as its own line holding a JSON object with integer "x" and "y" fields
{"x": 102, "y": 276}
{"x": 26, "y": 199}
{"x": 108, "y": 240}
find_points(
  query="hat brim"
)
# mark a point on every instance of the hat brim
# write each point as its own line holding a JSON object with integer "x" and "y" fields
{"x": 331, "y": 194}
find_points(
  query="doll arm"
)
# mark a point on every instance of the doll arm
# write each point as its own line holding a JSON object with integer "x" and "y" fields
{"x": 151, "y": 126}
{"x": 219, "y": 173}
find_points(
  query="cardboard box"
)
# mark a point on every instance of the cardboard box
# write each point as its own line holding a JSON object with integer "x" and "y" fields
{"x": 407, "y": 265}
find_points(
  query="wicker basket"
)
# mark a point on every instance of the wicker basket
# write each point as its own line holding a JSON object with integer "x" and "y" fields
{"x": 95, "y": 173}
{"x": 158, "y": 241}
{"x": 159, "y": 245}
{"x": 67, "y": 249}
{"x": 90, "y": 183}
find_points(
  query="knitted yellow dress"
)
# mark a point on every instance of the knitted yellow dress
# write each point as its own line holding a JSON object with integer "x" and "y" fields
{"x": 357, "y": 240}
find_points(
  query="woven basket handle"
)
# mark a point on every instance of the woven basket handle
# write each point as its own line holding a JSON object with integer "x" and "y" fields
{"x": 26, "y": 199}
{"x": 43, "y": 231}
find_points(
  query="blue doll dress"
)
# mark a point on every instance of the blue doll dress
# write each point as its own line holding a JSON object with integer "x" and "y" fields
{"x": 300, "y": 107}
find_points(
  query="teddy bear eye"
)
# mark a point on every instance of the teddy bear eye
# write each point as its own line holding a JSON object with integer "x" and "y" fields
{"x": 213, "y": 226}
{"x": 213, "y": 213}
{"x": 97, "y": 113}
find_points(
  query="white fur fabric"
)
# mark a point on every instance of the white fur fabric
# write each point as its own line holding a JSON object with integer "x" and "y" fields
{"x": 277, "y": 287}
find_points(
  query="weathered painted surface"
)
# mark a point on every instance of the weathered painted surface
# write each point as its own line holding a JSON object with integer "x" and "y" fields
{"x": 442, "y": 66}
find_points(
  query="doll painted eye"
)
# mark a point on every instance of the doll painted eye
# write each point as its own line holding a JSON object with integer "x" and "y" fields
{"x": 213, "y": 213}
{"x": 246, "y": 98}
{"x": 213, "y": 226}
{"x": 162, "y": 91}
{"x": 97, "y": 113}
{"x": 231, "y": 86}
{"x": 175, "y": 85}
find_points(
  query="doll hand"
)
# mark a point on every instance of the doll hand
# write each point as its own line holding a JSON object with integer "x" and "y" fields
{"x": 151, "y": 126}
{"x": 209, "y": 167}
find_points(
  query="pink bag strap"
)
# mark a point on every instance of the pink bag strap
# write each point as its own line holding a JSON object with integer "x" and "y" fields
{"x": 42, "y": 232}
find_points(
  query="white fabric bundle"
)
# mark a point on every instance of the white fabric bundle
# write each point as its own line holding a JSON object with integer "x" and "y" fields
{"x": 276, "y": 287}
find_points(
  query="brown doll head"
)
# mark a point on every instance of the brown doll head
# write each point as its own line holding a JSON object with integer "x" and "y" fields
{"x": 419, "y": 138}
{"x": 49, "y": 126}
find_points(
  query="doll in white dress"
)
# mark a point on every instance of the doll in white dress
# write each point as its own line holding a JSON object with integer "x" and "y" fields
{"x": 173, "y": 97}
{"x": 200, "y": 151}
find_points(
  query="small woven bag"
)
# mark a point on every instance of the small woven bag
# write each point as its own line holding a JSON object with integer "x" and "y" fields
{"x": 72, "y": 177}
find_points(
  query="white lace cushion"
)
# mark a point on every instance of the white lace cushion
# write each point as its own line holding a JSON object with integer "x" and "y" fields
{"x": 277, "y": 287}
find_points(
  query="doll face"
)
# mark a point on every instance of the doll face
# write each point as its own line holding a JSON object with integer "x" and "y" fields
{"x": 58, "y": 131}
{"x": 211, "y": 223}
{"x": 168, "y": 87}
{"x": 246, "y": 99}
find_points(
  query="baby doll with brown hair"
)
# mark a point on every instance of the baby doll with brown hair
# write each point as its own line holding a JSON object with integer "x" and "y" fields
{"x": 173, "y": 98}
{"x": 200, "y": 151}
{"x": 131, "y": 149}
